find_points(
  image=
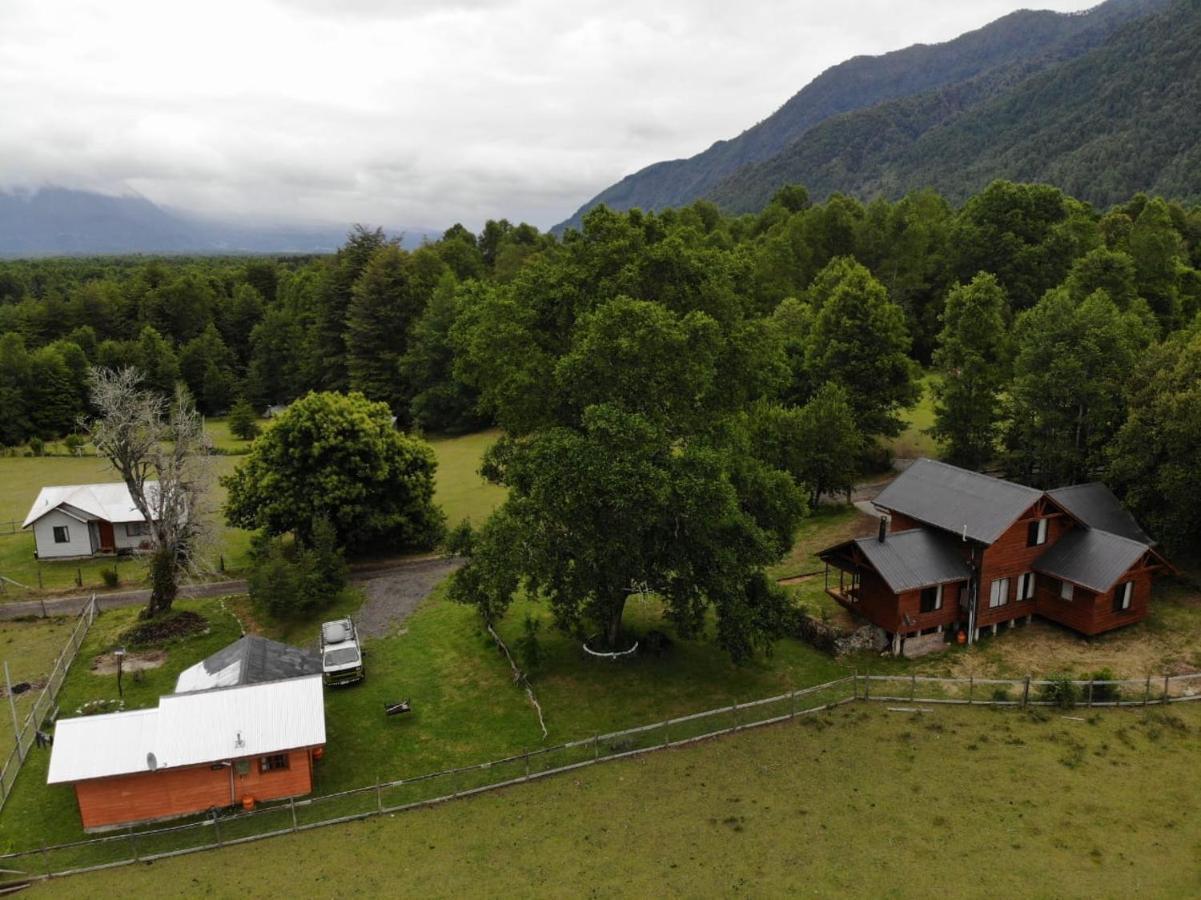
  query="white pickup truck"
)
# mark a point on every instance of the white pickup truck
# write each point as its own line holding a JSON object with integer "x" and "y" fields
{"x": 341, "y": 655}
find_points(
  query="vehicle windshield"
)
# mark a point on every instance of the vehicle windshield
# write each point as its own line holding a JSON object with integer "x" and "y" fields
{"x": 341, "y": 656}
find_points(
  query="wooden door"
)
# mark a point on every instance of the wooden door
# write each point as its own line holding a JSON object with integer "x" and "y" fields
{"x": 107, "y": 542}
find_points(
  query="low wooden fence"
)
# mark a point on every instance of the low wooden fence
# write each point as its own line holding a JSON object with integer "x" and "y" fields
{"x": 25, "y": 733}
{"x": 386, "y": 797}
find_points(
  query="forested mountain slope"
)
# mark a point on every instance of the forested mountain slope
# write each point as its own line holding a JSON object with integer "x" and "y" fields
{"x": 1121, "y": 118}
{"x": 1025, "y": 39}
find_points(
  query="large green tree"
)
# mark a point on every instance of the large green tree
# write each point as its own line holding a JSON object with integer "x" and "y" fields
{"x": 338, "y": 457}
{"x": 972, "y": 362}
{"x": 1066, "y": 400}
{"x": 1155, "y": 460}
{"x": 859, "y": 340}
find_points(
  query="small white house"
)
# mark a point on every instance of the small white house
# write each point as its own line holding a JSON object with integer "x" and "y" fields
{"x": 87, "y": 519}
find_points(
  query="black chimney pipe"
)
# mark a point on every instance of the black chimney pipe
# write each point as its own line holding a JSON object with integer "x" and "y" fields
{"x": 883, "y": 528}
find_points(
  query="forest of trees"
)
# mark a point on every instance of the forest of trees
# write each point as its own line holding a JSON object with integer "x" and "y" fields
{"x": 1056, "y": 332}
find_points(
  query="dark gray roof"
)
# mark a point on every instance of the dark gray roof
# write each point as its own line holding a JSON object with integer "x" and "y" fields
{"x": 1091, "y": 558}
{"x": 1096, "y": 506}
{"x": 917, "y": 558}
{"x": 250, "y": 660}
{"x": 958, "y": 500}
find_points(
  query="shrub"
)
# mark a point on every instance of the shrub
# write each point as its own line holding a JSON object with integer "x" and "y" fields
{"x": 110, "y": 577}
{"x": 37, "y": 446}
{"x": 1105, "y": 693}
{"x": 291, "y": 578}
{"x": 1060, "y": 691}
{"x": 75, "y": 444}
{"x": 1001, "y": 695}
{"x": 242, "y": 422}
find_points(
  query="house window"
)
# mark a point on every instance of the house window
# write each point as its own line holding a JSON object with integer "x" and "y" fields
{"x": 1026, "y": 586}
{"x": 999, "y": 593}
{"x": 61, "y": 534}
{"x": 1067, "y": 591}
{"x": 1123, "y": 594}
{"x": 931, "y": 599}
{"x": 136, "y": 529}
{"x": 273, "y": 762}
{"x": 1036, "y": 533}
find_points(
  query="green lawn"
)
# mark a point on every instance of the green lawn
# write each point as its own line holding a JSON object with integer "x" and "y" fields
{"x": 858, "y": 802}
{"x": 460, "y": 490}
{"x": 914, "y": 441}
{"x": 30, "y": 649}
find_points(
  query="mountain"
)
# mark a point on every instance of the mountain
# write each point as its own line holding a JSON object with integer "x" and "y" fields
{"x": 1116, "y": 120}
{"x": 54, "y": 221}
{"x": 964, "y": 71}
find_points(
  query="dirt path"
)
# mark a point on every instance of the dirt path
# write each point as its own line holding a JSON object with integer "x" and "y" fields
{"x": 392, "y": 596}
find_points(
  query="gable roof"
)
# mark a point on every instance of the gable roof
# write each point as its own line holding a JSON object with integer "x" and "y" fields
{"x": 1096, "y": 506}
{"x": 191, "y": 729}
{"x": 110, "y": 502}
{"x": 908, "y": 560}
{"x": 249, "y": 660}
{"x": 1091, "y": 558}
{"x": 957, "y": 500}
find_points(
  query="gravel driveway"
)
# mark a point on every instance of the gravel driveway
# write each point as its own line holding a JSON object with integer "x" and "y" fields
{"x": 392, "y": 596}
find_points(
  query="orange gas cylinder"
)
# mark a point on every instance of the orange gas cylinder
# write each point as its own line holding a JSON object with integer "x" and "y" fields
{"x": 248, "y": 803}
{"x": 318, "y": 752}
{"x": 961, "y": 637}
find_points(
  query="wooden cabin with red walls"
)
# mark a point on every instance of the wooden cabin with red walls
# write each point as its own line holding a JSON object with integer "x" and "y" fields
{"x": 958, "y": 550}
{"x": 199, "y": 750}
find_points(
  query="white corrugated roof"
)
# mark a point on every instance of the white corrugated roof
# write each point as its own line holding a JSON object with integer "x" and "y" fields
{"x": 199, "y": 678}
{"x": 191, "y": 729}
{"x": 94, "y": 746}
{"x": 110, "y": 502}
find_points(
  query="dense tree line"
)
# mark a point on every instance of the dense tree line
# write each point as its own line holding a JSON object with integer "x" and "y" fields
{"x": 795, "y": 334}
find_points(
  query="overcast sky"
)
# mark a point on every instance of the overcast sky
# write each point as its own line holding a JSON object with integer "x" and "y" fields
{"x": 407, "y": 113}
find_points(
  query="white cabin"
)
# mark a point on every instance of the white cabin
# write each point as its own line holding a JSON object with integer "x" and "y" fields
{"x": 80, "y": 520}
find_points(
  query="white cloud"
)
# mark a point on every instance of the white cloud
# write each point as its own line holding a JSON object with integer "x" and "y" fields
{"x": 406, "y": 112}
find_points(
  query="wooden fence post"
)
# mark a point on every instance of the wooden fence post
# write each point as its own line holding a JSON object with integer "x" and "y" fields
{"x": 217, "y": 830}
{"x": 912, "y": 686}
{"x": 595, "y": 749}
{"x": 527, "y": 767}
{"x": 292, "y": 803}
{"x": 971, "y": 689}
{"x": 1090, "y": 693}
{"x": 1147, "y": 695}
{"x": 1026, "y": 692}
{"x": 1166, "y": 688}
{"x": 734, "y": 708}
{"x": 379, "y": 795}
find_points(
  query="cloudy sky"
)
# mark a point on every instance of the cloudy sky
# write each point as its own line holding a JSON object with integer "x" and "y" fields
{"x": 408, "y": 113}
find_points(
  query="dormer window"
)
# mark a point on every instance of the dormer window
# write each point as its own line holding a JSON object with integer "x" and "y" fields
{"x": 1036, "y": 533}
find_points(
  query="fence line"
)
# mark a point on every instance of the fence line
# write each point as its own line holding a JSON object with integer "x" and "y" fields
{"x": 388, "y": 797}
{"x": 26, "y": 735}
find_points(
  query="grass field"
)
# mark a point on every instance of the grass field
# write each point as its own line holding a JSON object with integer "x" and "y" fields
{"x": 30, "y": 649}
{"x": 914, "y": 441}
{"x": 858, "y": 802}
{"x": 459, "y": 489}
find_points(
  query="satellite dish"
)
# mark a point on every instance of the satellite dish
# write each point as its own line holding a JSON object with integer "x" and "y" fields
{"x": 151, "y": 762}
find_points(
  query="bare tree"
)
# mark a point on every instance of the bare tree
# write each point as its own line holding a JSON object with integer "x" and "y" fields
{"x": 161, "y": 451}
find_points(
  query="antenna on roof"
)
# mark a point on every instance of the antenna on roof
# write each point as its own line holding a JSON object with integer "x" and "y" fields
{"x": 151, "y": 762}
{"x": 965, "y": 532}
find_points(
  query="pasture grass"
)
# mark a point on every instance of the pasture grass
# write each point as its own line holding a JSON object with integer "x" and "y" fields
{"x": 459, "y": 488}
{"x": 30, "y": 648}
{"x": 915, "y": 440}
{"x": 853, "y": 802}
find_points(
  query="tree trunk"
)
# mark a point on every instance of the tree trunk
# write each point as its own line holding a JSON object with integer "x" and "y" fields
{"x": 613, "y": 630}
{"x": 163, "y": 581}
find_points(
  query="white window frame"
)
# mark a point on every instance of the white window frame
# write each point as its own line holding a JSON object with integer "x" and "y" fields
{"x": 66, "y": 538}
{"x": 937, "y": 598}
{"x": 1026, "y": 586}
{"x": 136, "y": 529}
{"x": 1040, "y": 537}
{"x": 1067, "y": 591}
{"x": 1127, "y": 597}
{"x": 998, "y": 598}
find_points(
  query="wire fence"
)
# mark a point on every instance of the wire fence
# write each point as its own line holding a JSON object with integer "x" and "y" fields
{"x": 387, "y": 797}
{"x": 25, "y": 735}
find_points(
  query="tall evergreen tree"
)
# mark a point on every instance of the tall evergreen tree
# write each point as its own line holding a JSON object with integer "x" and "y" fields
{"x": 972, "y": 364}
{"x": 860, "y": 341}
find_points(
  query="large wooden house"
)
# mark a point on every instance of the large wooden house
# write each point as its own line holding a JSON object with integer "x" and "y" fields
{"x": 957, "y": 550}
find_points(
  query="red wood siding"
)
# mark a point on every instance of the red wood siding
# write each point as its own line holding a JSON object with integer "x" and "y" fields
{"x": 910, "y": 603}
{"x": 1009, "y": 557}
{"x": 145, "y": 796}
{"x": 901, "y": 522}
{"x": 1091, "y": 613}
